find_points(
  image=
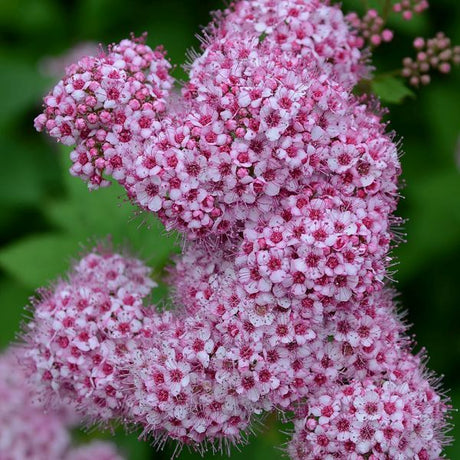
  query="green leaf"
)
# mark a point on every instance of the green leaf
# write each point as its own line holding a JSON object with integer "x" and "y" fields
{"x": 24, "y": 87}
{"x": 31, "y": 173}
{"x": 36, "y": 260}
{"x": 13, "y": 297}
{"x": 434, "y": 221}
{"x": 84, "y": 215}
{"x": 391, "y": 90}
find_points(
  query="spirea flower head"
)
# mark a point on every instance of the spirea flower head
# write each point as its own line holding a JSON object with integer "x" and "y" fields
{"x": 91, "y": 105}
{"x": 240, "y": 132}
{"x": 284, "y": 184}
{"x": 81, "y": 330}
{"x": 398, "y": 417}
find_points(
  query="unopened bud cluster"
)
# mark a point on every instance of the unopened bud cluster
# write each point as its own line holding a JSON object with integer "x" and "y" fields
{"x": 433, "y": 54}
{"x": 371, "y": 27}
{"x": 408, "y": 7}
{"x": 436, "y": 53}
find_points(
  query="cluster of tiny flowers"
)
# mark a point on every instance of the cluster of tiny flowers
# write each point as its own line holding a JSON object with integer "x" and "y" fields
{"x": 371, "y": 27}
{"x": 387, "y": 419}
{"x": 408, "y": 7}
{"x": 27, "y": 431}
{"x": 104, "y": 101}
{"x": 247, "y": 112}
{"x": 81, "y": 330}
{"x": 284, "y": 185}
{"x": 435, "y": 53}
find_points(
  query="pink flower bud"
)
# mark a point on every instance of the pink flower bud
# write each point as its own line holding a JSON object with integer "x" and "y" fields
{"x": 444, "y": 67}
{"x": 419, "y": 43}
{"x": 387, "y": 35}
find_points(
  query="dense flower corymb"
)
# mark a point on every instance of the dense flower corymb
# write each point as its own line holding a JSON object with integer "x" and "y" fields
{"x": 81, "y": 330}
{"x": 284, "y": 185}
{"x": 392, "y": 418}
{"x": 106, "y": 100}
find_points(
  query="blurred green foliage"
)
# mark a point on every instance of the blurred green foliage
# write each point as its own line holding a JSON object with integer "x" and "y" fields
{"x": 47, "y": 217}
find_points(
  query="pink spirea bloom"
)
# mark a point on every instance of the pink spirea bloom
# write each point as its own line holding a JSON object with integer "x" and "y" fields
{"x": 238, "y": 134}
{"x": 91, "y": 106}
{"x": 398, "y": 417}
{"x": 82, "y": 329}
{"x": 284, "y": 185}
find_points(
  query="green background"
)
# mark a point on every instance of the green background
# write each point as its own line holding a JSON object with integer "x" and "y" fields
{"x": 48, "y": 217}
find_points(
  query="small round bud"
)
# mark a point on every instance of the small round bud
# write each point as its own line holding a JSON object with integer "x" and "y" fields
{"x": 444, "y": 67}
{"x": 387, "y": 35}
{"x": 419, "y": 43}
{"x": 407, "y": 15}
{"x": 425, "y": 79}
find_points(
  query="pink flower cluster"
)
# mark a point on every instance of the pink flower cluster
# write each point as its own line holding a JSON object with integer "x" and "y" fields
{"x": 210, "y": 158}
{"x": 392, "y": 418}
{"x": 106, "y": 100}
{"x": 27, "y": 431}
{"x": 284, "y": 185}
{"x": 91, "y": 321}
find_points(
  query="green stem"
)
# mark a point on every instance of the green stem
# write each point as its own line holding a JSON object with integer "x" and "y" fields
{"x": 386, "y": 11}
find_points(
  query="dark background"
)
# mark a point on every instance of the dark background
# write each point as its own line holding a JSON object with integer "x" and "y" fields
{"x": 46, "y": 216}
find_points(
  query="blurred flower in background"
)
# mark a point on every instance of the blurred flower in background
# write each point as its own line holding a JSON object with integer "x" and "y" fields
{"x": 54, "y": 66}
